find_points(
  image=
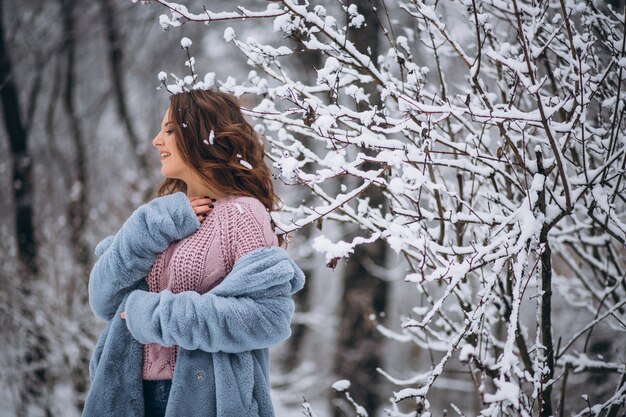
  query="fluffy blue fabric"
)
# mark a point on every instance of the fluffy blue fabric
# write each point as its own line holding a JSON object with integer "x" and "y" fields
{"x": 223, "y": 335}
{"x": 126, "y": 258}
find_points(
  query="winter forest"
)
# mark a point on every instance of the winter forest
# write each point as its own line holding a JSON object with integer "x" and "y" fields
{"x": 452, "y": 175}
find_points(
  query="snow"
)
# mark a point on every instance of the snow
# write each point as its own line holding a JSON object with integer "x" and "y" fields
{"x": 229, "y": 34}
{"x": 286, "y": 24}
{"x": 516, "y": 65}
{"x": 174, "y": 88}
{"x": 467, "y": 351}
{"x": 403, "y": 42}
{"x": 288, "y": 166}
{"x": 185, "y": 43}
{"x": 505, "y": 391}
{"x": 166, "y": 23}
{"x": 356, "y": 20}
{"x": 341, "y": 385}
{"x": 332, "y": 250}
{"x": 324, "y": 123}
{"x": 360, "y": 411}
{"x": 328, "y": 74}
{"x": 357, "y": 92}
{"x": 396, "y": 186}
{"x": 208, "y": 81}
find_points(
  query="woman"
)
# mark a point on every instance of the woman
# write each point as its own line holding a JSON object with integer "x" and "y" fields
{"x": 194, "y": 285}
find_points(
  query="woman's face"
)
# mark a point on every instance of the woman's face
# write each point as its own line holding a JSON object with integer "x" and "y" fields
{"x": 172, "y": 165}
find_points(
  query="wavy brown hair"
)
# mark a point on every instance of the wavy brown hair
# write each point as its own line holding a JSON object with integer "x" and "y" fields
{"x": 197, "y": 113}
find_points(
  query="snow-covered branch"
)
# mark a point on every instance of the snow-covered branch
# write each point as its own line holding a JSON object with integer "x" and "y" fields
{"x": 500, "y": 174}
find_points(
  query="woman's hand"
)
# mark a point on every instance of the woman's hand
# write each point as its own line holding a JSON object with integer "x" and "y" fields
{"x": 202, "y": 206}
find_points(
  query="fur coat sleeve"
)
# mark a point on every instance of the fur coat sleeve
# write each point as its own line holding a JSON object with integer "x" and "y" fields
{"x": 126, "y": 258}
{"x": 251, "y": 309}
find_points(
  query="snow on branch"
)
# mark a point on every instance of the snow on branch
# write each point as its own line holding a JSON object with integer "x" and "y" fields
{"x": 494, "y": 132}
{"x": 180, "y": 14}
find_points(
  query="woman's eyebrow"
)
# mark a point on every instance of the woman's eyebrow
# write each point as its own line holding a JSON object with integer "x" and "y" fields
{"x": 168, "y": 123}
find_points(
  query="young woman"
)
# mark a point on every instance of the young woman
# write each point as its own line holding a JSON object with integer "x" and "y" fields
{"x": 194, "y": 286}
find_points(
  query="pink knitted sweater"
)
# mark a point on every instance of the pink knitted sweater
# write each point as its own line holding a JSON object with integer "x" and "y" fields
{"x": 235, "y": 226}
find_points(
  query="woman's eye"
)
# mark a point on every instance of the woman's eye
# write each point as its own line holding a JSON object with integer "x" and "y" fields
{"x": 169, "y": 131}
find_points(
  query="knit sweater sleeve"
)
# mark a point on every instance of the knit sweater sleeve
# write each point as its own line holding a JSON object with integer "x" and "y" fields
{"x": 247, "y": 227}
{"x": 126, "y": 259}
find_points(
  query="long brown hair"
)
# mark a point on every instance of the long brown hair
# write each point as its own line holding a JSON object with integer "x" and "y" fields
{"x": 213, "y": 138}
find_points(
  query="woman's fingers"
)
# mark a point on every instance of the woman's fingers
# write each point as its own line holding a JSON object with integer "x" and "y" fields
{"x": 202, "y": 206}
{"x": 201, "y": 201}
{"x": 123, "y": 315}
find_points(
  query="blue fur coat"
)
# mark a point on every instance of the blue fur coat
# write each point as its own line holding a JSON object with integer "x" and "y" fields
{"x": 223, "y": 335}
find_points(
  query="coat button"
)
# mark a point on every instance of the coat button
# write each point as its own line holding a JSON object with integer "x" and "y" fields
{"x": 200, "y": 376}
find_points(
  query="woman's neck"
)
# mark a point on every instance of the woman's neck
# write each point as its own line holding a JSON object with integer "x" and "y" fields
{"x": 197, "y": 190}
{"x": 197, "y": 187}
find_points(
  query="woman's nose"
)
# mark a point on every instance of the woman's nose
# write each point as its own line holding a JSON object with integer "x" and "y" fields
{"x": 156, "y": 142}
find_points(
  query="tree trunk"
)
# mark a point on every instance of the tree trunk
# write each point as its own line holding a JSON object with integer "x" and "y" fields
{"x": 360, "y": 345}
{"x": 34, "y": 378}
{"x": 78, "y": 208}
{"x": 115, "y": 60}
{"x": 546, "y": 304}
{"x": 22, "y": 163}
{"x": 309, "y": 61}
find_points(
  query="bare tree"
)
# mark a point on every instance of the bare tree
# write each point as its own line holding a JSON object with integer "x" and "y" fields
{"x": 116, "y": 61}
{"x": 503, "y": 186}
{"x": 22, "y": 163}
{"x": 33, "y": 354}
{"x": 359, "y": 350}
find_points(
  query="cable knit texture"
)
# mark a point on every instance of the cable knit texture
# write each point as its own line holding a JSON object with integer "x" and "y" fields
{"x": 222, "y": 335}
{"x": 237, "y": 225}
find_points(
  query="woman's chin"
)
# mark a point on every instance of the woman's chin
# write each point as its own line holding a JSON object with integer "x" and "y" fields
{"x": 169, "y": 175}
